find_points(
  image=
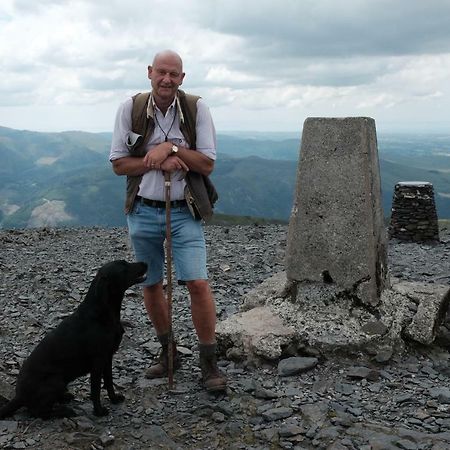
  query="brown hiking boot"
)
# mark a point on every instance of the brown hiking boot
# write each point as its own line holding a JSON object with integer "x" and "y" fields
{"x": 161, "y": 368}
{"x": 212, "y": 378}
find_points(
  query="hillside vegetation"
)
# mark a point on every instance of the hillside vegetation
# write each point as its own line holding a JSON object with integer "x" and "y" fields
{"x": 65, "y": 178}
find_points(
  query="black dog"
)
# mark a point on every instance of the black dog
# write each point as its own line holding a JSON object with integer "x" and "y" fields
{"x": 82, "y": 343}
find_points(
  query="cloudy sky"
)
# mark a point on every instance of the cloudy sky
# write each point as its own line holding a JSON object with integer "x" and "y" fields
{"x": 260, "y": 64}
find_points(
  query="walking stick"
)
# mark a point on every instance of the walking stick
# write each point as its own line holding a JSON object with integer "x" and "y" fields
{"x": 169, "y": 277}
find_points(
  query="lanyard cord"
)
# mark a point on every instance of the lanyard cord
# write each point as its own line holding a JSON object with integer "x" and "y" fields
{"x": 160, "y": 127}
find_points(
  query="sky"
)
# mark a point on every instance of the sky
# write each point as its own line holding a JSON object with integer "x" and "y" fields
{"x": 261, "y": 65}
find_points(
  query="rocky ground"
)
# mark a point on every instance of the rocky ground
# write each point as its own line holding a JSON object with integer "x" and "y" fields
{"x": 339, "y": 404}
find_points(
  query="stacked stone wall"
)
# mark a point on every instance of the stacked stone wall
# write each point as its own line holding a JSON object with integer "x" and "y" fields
{"x": 413, "y": 215}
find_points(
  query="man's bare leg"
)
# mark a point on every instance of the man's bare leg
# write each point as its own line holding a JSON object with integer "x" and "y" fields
{"x": 203, "y": 311}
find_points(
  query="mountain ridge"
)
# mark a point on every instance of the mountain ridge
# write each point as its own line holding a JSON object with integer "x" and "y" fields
{"x": 255, "y": 177}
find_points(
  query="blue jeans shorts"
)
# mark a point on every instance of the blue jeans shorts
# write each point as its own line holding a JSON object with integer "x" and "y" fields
{"x": 147, "y": 229}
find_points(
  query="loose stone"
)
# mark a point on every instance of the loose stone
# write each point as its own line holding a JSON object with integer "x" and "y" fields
{"x": 295, "y": 365}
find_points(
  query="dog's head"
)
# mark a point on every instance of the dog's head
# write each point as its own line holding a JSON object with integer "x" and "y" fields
{"x": 114, "y": 278}
{"x": 123, "y": 274}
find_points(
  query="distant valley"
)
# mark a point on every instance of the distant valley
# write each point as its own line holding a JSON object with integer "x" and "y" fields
{"x": 65, "y": 179}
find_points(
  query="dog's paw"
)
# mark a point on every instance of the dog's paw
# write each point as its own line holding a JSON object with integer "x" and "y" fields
{"x": 101, "y": 411}
{"x": 117, "y": 398}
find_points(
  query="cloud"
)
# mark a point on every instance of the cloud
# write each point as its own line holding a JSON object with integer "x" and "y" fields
{"x": 325, "y": 28}
{"x": 318, "y": 56}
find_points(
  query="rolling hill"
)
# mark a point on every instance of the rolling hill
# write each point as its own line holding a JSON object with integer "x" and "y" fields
{"x": 59, "y": 179}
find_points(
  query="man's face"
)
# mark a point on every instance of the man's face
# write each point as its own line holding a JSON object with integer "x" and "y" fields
{"x": 166, "y": 76}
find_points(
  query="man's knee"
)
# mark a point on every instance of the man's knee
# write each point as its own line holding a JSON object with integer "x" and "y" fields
{"x": 155, "y": 290}
{"x": 199, "y": 288}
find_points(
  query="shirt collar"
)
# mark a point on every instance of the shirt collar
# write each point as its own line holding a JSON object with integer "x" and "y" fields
{"x": 151, "y": 106}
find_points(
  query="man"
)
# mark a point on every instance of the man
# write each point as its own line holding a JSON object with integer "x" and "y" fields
{"x": 167, "y": 151}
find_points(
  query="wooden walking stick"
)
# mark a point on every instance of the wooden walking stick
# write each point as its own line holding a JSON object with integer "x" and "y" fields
{"x": 169, "y": 277}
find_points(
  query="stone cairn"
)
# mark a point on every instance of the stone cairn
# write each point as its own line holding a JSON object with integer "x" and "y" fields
{"x": 413, "y": 215}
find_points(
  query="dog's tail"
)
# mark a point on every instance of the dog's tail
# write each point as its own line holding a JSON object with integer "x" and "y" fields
{"x": 11, "y": 407}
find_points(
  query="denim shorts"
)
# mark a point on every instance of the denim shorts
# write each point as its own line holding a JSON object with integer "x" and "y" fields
{"x": 147, "y": 229}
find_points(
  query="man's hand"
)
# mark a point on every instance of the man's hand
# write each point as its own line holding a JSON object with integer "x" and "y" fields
{"x": 155, "y": 157}
{"x": 173, "y": 163}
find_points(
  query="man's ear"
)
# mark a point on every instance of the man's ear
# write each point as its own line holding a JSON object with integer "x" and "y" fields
{"x": 182, "y": 78}
{"x": 149, "y": 72}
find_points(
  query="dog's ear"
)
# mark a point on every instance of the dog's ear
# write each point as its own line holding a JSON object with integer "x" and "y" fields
{"x": 108, "y": 291}
{"x": 102, "y": 290}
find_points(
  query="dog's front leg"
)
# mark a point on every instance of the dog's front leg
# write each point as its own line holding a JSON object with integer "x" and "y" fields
{"x": 96, "y": 384}
{"x": 109, "y": 385}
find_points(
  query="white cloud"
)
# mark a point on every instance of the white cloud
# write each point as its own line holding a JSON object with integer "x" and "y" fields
{"x": 77, "y": 59}
{"x": 222, "y": 76}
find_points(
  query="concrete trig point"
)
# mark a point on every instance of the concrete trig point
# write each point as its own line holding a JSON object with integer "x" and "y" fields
{"x": 335, "y": 295}
{"x": 336, "y": 231}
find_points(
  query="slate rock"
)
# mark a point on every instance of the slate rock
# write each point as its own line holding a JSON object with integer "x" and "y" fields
{"x": 374, "y": 328}
{"x": 277, "y": 413}
{"x": 442, "y": 394}
{"x": 296, "y": 365}
{"x": 37, "y": 270}
{"x": 363, "y": 373}
{"x": 287, "y": 431}
{"x": 261, "y": 392}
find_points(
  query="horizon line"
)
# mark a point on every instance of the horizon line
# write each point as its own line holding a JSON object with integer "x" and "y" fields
{"x": 380, "y": 130}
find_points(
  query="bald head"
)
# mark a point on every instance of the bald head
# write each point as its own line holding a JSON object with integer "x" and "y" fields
{"x": 168, "y": 55}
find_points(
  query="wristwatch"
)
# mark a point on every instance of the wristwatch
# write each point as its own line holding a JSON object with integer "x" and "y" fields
{"x": 174, "y": 150}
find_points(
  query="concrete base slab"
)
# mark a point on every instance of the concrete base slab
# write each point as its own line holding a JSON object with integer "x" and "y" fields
{"x": 432, "y": 303}
{"x": 323, "y": 319}
{"x": 258, "y": 333}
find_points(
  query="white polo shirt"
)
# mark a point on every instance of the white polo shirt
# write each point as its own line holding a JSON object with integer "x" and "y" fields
{"x": 152, "y": 183}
